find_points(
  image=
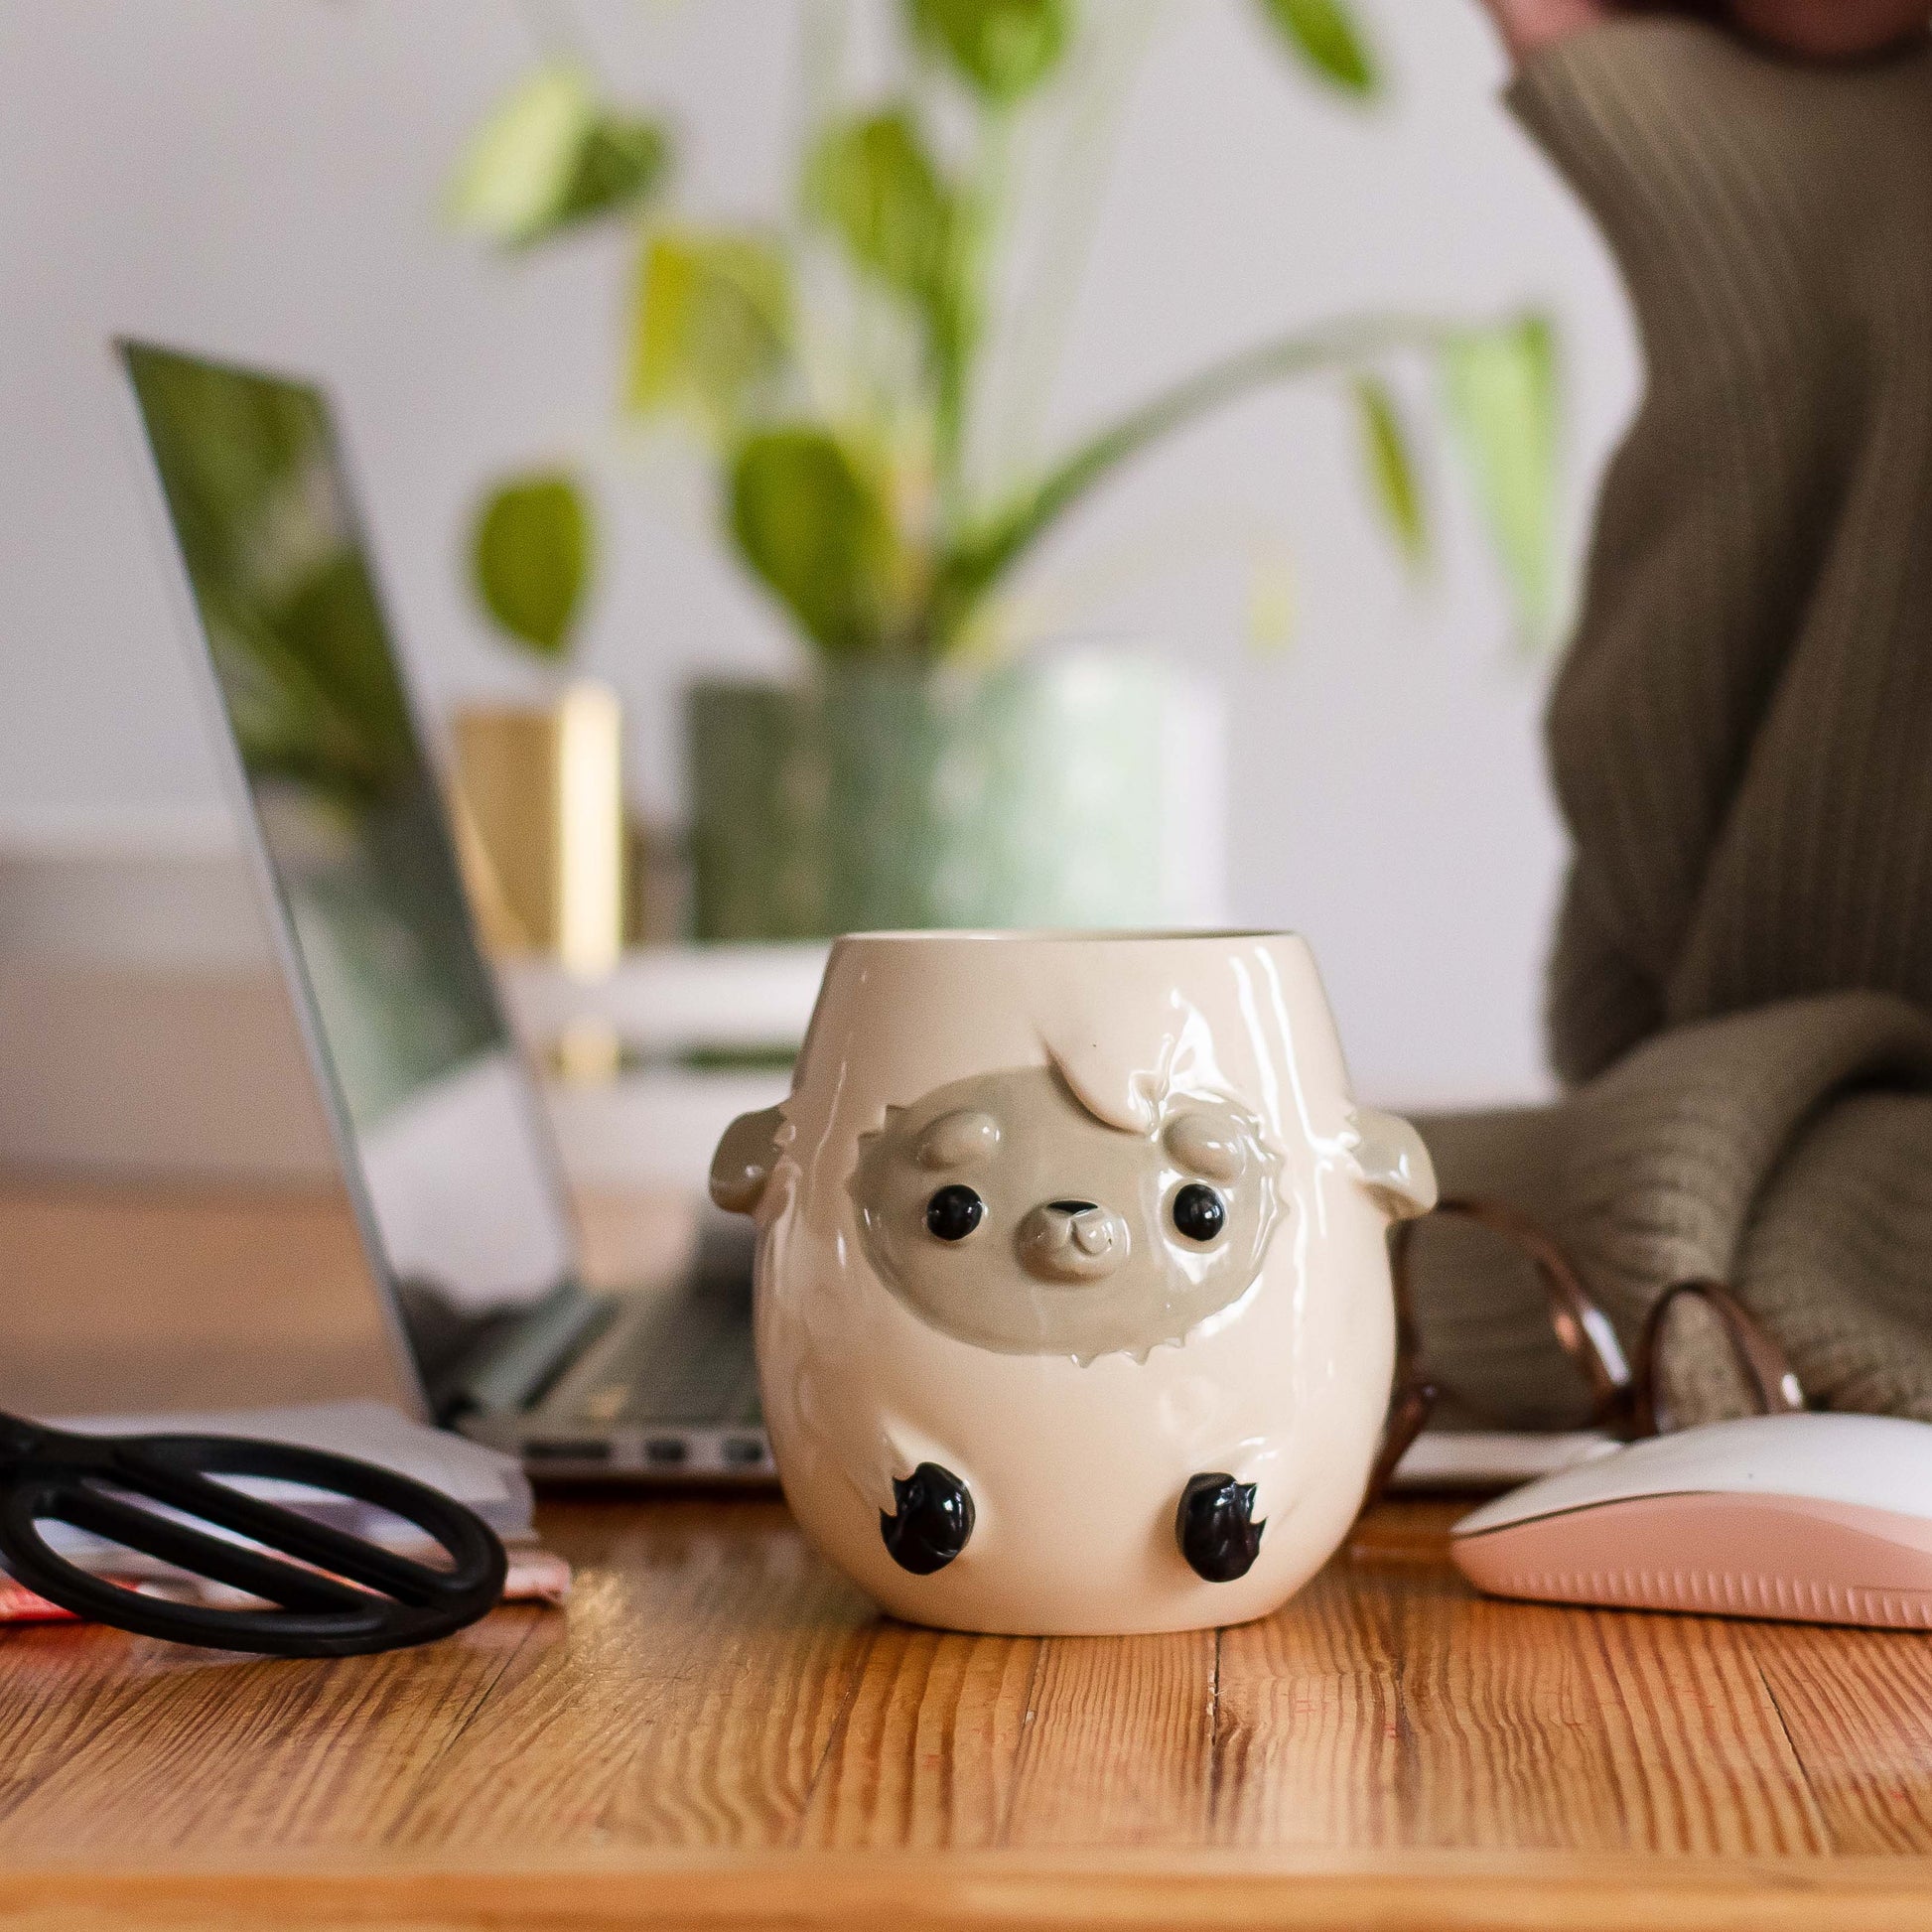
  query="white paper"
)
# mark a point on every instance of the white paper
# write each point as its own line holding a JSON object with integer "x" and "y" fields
{"x": 487, "y": 1481}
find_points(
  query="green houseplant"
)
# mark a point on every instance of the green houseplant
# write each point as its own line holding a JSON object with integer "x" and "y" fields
{"x": 835, "y": 367}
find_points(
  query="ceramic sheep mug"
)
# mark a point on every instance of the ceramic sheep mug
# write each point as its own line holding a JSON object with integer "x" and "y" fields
{"x": 1073, "y": 1310}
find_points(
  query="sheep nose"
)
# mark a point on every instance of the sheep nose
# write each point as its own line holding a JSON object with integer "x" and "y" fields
{"x": 1071, "y": 1241}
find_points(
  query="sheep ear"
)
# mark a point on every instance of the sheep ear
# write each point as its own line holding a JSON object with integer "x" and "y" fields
{"x": 1393, "y": 1162}
{"x": 745, "y": 1159}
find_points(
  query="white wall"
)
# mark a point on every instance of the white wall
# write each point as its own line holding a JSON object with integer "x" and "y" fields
{"x": 262, "y": 180}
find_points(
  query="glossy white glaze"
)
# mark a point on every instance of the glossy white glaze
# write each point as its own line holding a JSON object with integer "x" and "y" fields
{"x": 1076, "y": 1470}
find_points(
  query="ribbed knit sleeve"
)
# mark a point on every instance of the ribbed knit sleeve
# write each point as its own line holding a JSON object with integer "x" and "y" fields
{"x": 1740, "y": 737}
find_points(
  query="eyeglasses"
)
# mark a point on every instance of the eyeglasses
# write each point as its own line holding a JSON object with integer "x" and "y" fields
{"x": 1626, "y": 1398}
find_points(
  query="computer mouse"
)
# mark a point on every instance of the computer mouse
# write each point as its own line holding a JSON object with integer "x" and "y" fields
{"x": 1816, "y": 1518}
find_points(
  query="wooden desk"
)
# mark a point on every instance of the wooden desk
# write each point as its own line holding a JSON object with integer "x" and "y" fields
{"x": 719, "y": 1732}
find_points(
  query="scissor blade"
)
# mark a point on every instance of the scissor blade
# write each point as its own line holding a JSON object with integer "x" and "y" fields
{"x": 281, "y": 1527}
{"x": 200, "y": 1554}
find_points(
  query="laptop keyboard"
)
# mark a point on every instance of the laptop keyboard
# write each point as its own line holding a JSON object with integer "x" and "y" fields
{"x": 690, "y": 1361}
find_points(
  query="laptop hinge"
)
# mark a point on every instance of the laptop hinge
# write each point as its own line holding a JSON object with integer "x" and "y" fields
{"x": 514, "y": 1365}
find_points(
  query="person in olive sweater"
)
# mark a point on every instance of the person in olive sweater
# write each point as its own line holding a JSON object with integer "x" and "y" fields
{"x": 1740, "y": 732}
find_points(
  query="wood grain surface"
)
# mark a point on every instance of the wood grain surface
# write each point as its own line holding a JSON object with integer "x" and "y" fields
{"x": 719, "y": 1732}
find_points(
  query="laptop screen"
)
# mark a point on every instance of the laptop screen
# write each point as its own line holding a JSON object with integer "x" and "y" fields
{"x": 434, "y": 1112}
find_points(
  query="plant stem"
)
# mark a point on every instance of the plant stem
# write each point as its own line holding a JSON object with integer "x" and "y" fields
{"x": 972, "y": 566}
{"x": 1074, "y": 186}
{"x": 960, "y": 327}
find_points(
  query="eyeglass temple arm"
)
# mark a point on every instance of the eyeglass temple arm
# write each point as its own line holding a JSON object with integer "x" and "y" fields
{"x": 1581, "y": 1329}
{"x": 1622, "y": 1400}
{"x": 1414, "y": 1395}
{"x": 1764, "y": 1364}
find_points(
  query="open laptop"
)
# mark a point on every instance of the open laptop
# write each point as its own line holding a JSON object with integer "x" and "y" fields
{"x": 437, "y": 1122}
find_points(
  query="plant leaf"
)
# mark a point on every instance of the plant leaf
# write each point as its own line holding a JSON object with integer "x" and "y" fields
{"x": 1325, "y": 36}
{"x": 874, "y": 184}
{"x": 530, "y": 557}
{"x": 811, "y": 523}
{"x": 979, "y": 556}
{"x": 1001, "y": 49}
{"x": 711, "y": 323}
{"x": 1272, "y": 602}
{"x": 1501, "y": 393}
{"x": 548, "y": 157}
{"x": 620, "y": 165}
{"x": 1392, "y": 467}
{"x": 518, "y": 166}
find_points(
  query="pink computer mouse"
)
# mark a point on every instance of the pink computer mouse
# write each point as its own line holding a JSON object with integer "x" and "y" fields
{"x": 1825, "y": 1519}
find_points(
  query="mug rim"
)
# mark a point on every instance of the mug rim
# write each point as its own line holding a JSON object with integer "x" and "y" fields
{"x": 1064, "y": 935}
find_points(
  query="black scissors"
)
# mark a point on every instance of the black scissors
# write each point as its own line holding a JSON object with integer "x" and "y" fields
{"x": 342, "y": 1596}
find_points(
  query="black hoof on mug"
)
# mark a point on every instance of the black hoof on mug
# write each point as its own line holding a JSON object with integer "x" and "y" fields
{"x": 932, "y": 1520}
{"x": 1215, "y": 1528}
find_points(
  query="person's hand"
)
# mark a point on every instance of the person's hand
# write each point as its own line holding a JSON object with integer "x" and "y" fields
{"x": 1527, "y": 25}
{"x": 1832, "y": 29}
{"x": 1820, "y": 28}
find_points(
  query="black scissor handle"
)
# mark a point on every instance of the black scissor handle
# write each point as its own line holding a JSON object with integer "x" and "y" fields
{"x": 342, "y": 1596}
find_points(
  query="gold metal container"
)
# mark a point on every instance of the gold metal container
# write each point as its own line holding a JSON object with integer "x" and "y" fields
{"x": 540, "y": 823}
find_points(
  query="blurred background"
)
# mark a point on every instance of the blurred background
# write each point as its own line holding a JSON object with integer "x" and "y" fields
{"x": 1315, "y": 624}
